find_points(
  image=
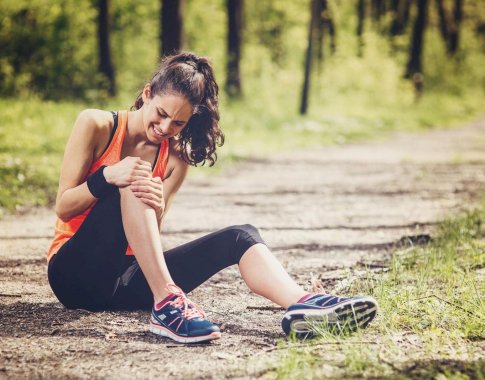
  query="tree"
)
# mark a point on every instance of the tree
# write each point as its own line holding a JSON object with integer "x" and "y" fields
{"x": 400, "y": 16}
{"x": 234, "y": 36}
{"x": 455, "y": 32}
{"x": 312, "y": 33}
{"x": 360, "y": 24}
{"x": 325, "y": 22}
{"x": 414, "y": 65}
{"x": 105, "y": 63}
{"x": 450, "y": 25}
{"x": 172, "y": 28}
{"x": 378, "y": 9}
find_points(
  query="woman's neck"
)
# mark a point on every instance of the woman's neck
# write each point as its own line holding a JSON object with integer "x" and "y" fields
{"x": 135, "y": 132}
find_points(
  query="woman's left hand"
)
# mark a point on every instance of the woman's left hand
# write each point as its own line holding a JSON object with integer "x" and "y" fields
{"x": 150, "y": 191}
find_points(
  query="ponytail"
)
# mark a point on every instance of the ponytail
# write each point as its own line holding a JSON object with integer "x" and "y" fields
{"x": 192, "y": 77}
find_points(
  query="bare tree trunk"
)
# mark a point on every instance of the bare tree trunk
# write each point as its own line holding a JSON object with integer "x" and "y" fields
{"x": 414, "y": 65}
{"x": 378, "y": 9}
{"x": 314, "y": 19}
{"x": 444, "y": 21}
{"x": 360, "y": 25}
{"x": 450, "y": 25}
{"x": 329, "y": 21}
{"x": 455, "y": 31}
{"x": 234, "y": 37}
{"x": 172, "y": 26}
{"x": 320, "y": 31}
{"x": 401, "y": 17}
{"x": 105, "y": 63}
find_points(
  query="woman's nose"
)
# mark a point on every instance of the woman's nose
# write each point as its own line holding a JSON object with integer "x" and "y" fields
{"x": 166, "y": 125}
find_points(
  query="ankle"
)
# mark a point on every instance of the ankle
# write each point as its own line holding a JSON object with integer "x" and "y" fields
{"x": 161, "y": 296}
{"x": 305, "y": 297}
{"x": 158, "y": 304}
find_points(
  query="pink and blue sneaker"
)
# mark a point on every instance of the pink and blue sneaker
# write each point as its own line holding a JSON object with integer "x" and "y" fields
{"x": 325, "y": 311}
{"x": 178, "y": 318}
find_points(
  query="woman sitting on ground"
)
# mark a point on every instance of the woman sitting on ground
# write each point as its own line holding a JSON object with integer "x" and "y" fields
{"x": 119, "y": 175}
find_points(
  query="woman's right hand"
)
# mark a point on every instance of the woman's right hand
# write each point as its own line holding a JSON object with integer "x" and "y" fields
{"x": 126, "y": 171}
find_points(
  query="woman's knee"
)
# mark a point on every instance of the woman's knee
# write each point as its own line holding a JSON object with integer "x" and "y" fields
{"x": 243, "y": 237}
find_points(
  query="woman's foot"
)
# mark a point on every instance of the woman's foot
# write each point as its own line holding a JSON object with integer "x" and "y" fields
{"x": 178, "y": 318}
{"x": 324, "y": 311}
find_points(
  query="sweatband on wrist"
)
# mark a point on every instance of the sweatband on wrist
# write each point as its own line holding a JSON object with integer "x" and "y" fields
{"x": 98, "y": 186}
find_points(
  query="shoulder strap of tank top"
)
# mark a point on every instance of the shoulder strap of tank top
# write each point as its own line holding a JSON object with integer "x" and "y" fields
{"x": 120, "y": 133}
{"x": 113, "y": 131}
{"x": 113, "y": 151}
{"x": 162, "y": 159}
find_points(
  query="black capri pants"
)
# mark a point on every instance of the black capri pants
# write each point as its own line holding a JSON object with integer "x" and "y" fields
{"x": 91, "y": 270}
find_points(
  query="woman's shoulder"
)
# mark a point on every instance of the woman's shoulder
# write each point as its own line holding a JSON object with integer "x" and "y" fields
{"x": 175, "y": 160}
{"x": 95, "y": 119}
{"x": 175, "y": 152}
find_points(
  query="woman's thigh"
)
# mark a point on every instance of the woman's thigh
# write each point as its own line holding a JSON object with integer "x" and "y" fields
{"x": 85, "y": 270}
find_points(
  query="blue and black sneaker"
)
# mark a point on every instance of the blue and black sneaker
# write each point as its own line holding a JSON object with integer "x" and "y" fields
{"x": 180, "y": 319}
{"x": 332, "y": 313}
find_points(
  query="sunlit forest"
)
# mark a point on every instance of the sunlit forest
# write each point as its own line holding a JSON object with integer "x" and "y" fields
{"x": 291, "y": 73}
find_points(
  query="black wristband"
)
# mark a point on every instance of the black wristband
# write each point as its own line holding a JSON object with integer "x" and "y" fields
{"x": 98, "y": 186}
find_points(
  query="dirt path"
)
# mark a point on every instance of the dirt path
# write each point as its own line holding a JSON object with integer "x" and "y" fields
{"x": 326, "y": 211}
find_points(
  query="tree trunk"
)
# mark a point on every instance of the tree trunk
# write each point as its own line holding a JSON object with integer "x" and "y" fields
{"x": 360, "y": 25}
{"x": 234, "y": 36}
{"x": 331, "y": 28}
{"x": 378, "y": 10}
{"x": 320, "y": 30}
{"x": 105, "y": 64}
{"x": 450, "y": 25}
{"x": 455, "y": 31}
{"x": 314, "y": 20}
{"x": 172, "y": 27}
{"x": 400, "y": 17}
{"x": 414, "y": 65}
{"x": 444, "y": 21}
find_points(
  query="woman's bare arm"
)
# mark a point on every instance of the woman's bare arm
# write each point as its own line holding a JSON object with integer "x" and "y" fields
{"x": 73, "y": 195}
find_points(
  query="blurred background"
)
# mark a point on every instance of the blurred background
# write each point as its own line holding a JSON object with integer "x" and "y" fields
{"x": 292, "y": 74}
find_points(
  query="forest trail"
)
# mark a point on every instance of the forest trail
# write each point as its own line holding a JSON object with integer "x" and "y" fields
{"x": 330, "y": 212}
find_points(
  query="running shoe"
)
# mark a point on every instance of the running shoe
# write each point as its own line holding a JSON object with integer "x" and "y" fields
{"x": 325, "y": 311}
{"x": 180, "y": 319}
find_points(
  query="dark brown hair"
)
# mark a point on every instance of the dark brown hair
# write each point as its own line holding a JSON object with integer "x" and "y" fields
{"x": 192, "y": 77}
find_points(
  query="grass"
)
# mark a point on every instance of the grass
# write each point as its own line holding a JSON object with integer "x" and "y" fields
{"x": 431, "y": 320}
{"x": 33, "y": 133}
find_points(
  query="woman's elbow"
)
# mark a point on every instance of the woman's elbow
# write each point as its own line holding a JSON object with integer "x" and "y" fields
{"x": 62, "y": 214}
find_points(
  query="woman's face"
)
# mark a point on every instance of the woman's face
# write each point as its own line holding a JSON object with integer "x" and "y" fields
{"x": 164, "y": 116}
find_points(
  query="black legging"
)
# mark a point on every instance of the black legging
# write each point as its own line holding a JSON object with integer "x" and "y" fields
{"x": 91, "y": 270}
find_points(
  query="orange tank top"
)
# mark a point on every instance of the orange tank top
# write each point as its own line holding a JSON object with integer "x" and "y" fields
{"x": 65, "y": 230}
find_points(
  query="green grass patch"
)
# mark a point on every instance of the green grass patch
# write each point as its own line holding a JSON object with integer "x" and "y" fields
{"x": 33, "y": 133}
{"x": 431, "y": 319}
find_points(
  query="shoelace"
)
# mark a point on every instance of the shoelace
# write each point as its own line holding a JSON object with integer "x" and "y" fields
{"x": 189, "y": 309}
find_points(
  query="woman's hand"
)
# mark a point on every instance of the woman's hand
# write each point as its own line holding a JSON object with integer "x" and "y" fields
{"x": 150, "y": 191}
{"x": 128, "y": 170}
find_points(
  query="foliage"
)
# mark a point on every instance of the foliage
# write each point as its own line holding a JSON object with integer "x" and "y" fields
{"x": 49, "y": 52}
{"x": 47, "y": 48}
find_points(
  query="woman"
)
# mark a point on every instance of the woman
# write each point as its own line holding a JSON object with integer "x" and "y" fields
{"x": 118, "y": 178}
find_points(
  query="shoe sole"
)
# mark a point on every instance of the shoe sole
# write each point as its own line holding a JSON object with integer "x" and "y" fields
{"x": 160, "y": 330}
{"x": 347, "y": 316}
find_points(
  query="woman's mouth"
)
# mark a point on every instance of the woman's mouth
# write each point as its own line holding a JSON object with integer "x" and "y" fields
{"x": 159, "y": 133}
